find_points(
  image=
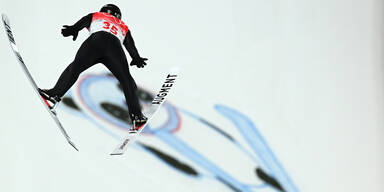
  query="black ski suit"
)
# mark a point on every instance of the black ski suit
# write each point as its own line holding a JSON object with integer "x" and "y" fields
{"x": 102, "y": 47}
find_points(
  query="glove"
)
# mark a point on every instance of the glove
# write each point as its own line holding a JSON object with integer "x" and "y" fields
{"x": 68, "y": 31}
{"x": 139, "y": 62}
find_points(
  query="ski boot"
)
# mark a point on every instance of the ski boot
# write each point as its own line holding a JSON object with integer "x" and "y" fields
{"x": 50, "y": 101}
{"x": 138, "y": 122}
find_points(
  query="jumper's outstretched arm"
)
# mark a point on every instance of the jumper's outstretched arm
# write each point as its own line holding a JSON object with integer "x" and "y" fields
{"x": 73, "y": 30}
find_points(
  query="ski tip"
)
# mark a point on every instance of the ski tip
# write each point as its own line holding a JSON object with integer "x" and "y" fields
{"x": 118, "y": 151}
{"x": 73, "y": 145}
{"x": 113, "y": 154}
{"x": 4, "y": 17}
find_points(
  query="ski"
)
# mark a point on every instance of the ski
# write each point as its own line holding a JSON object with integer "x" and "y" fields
{"x": 150, "y": 113}
{"x": 15, "y": 49}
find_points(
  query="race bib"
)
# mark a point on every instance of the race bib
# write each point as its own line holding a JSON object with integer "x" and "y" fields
{"x": 105, "y": 22}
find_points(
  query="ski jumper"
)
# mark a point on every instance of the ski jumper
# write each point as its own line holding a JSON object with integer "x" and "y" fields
{"x": 104, "y": 45}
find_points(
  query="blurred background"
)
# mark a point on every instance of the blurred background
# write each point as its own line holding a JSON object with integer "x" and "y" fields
{"x": 272, "y": 96}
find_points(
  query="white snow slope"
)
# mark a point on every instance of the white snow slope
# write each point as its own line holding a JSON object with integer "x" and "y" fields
{"x": 292, "y": 89}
